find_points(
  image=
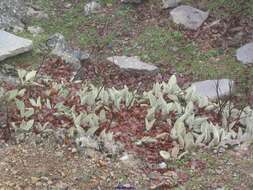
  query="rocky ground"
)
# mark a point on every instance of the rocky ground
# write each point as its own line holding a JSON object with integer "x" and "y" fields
{"x": 99, "y": 41}
{"x": 48, "y": 165}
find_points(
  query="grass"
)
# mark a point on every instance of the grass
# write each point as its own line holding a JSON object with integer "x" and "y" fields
{"x": 158, "y": 44}
{"x": 226, "y": 7}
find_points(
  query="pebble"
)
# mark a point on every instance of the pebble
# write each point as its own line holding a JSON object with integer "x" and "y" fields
{"x": 162, "y": 165}
{"x": 34, "y": 180}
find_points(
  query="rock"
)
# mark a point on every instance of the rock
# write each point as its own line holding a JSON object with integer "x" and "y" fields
{"x": 12, "y": 14}
{"x": 245, "y": 53}
{"x": 154, "y": 175}
{"x": 162, "y": 165}
{"x": 170, "y": 3}
{"x": 73, "y": 150}
{"x": 34, "y": 180}
{"x": 130, "y": 161}
{"x": 67, "y": 5}
{"x": 87, "y": 142}
{"x": 131, "y": 1}
{"x": 91, "y": 7}
{"x": 12, "y": 45}
{"x": 60, "y": 135}
{"x": 190, "y": 17}
{"x": 8, "y": 79}
{"x": 31, "y": 12}
{"x": 125, "y": 157}
{"x": 132, "y": 64}
{"x": 208, "y": 88}
{"x": 59, "y": 154}
{"x": 61, "y": 186}
{"x": 35, "y": 30}
{"x": 69, "y": 55}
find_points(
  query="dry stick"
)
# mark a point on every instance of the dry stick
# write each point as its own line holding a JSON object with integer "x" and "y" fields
{"x": 7, "y": 130}
{"x": 43, "y": 61}
{"x": 97, "y": 96}
{"x": 221, "y": 103}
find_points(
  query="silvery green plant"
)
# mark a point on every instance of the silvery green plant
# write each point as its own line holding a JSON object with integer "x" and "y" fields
{"x": 188, "y": 128}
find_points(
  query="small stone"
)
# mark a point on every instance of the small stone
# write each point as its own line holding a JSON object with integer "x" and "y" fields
{"x": 74, "y": 150}
{"x": 44, "y": 178}
{"x": 67, "y": 5}
{"x": 91, "y": 8}
{"x": 87, "y": 142}
{"x": 15, "y": 172}
{"x": 31, "y": 12}
{"x": 35, "y": 30}
{"x": 61, "y": 49}
{"x": 132, "y": 64}
{"x": 154, "y": 175}
{"x": 34, "y": 180}
{"x": 12, "y": 45}
{"x": 61, "y": 186}
{"x": 50, "y": 182}
{"x": 125, "y": 157}
{"x": 209, "y": 88}
{"x": 131, "y": 1}
{"x": 162, "y": 165}
{"x": 59, "y": 154}
{"x": 17, "y": 29}
{"x": 245, "y": 54}
{"x": 38, "y": 184}
{"x": 190, "y": 17}
{"x": 170, "y": 3}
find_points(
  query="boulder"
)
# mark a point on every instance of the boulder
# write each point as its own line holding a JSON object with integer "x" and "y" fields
{"x": 12, "y": 14}
{"x": 245, "y": 54}
{"x": 189, "y": 17}
{"x": 61, "y": 49}
{"x": 132, "y": 64}
{"x": 11, "y": 45}
{"x": 209, "y": 88}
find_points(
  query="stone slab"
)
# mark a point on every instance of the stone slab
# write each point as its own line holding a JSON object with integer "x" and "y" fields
{"x": 12, "y": 45}
{"x": 245, "y": 54}
{"x": 132, "y": 64}
{"x": 190, "y": 17}
{"x": 208, "y": 88}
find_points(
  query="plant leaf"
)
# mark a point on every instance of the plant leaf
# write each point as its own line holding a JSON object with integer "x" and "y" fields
{"x": 165, "y": 155}
{"x": 27, "y": 126}
{"x": 30, "y": 75}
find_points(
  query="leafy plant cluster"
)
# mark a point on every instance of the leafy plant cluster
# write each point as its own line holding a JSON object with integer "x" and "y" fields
{"x": 90, "y": 112}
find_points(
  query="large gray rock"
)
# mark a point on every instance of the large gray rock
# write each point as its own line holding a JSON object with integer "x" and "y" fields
{"x": 245, "y": 53}
{"x": 132, "y": 64}
{"x": 190, "y": 17}
{"x": 11, "y": 45}
{"x": 61, "y": 49}
{"x": 12, "y": 14}
{"x": 209, "y": 88}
